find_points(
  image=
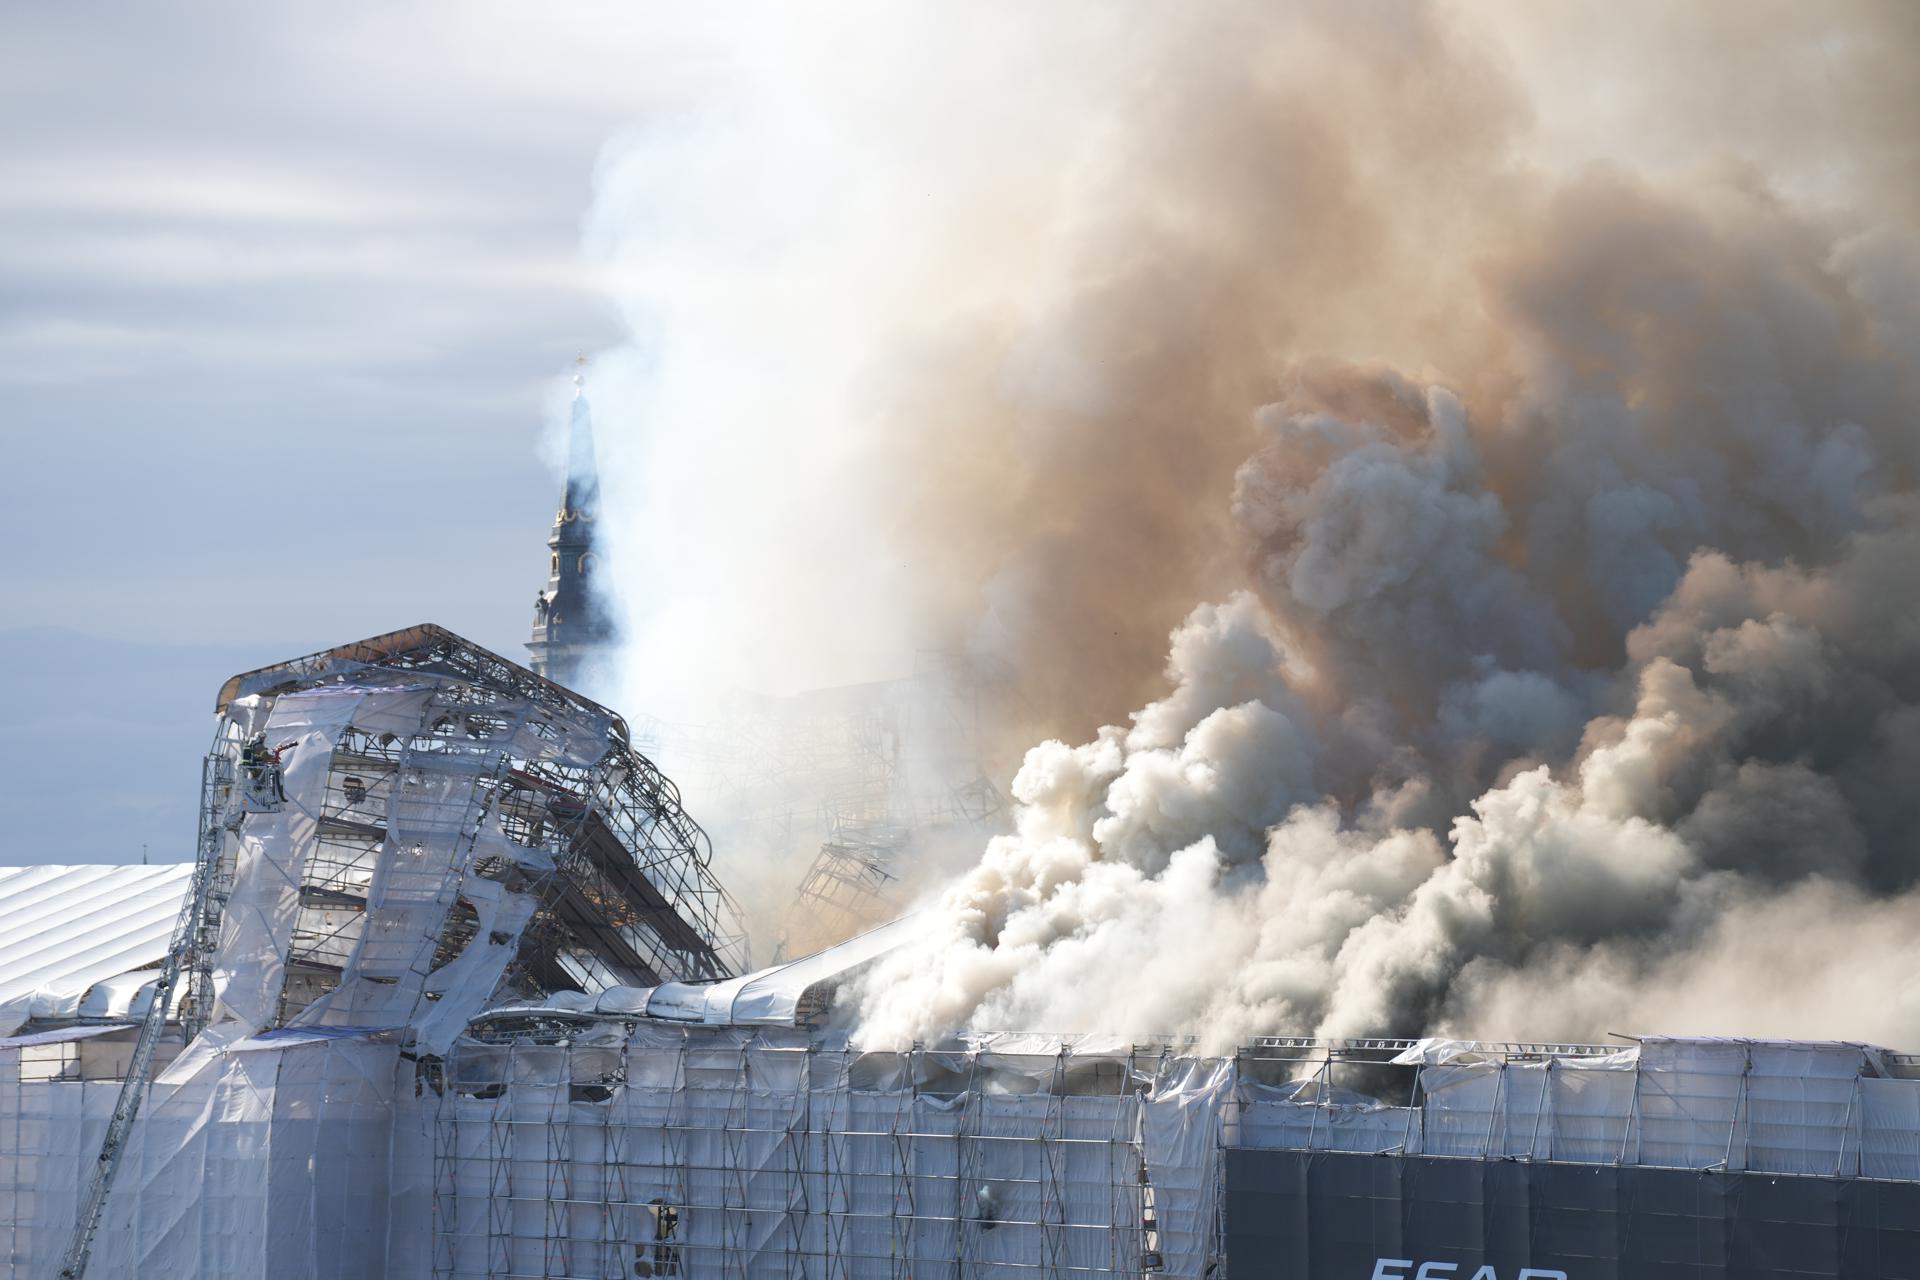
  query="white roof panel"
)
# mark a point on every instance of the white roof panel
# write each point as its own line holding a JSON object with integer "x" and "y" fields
{"x": 765, "y": 998}
{"x": 772, "y": 996}
{"x": 64, "y": 929}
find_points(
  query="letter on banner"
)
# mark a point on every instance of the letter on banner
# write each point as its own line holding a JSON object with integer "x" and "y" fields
{"x": 1435, "y": 1270}
{"x": 1532, "y": 1274}
{"x": 1380, "y": 1266}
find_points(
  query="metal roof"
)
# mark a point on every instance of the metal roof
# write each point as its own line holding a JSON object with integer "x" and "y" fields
{"x": 67, "y": 932}
{"x": 423, "y": 647}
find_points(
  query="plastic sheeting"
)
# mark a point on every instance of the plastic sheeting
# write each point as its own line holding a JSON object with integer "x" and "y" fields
{"x": 253, "y": 1158}
{"x": 50, "y": 1134}
{"x": 1769, "y": 1106}
{"x": 63, "y": 1035}
{"x": 249, "y": 966}
{"x": 73, "y": 939}
{"x": 437, "y": 833}
{"x": 696, "y": 1151}
{"x": 1180, "y": 1129}
{"x": 1307, "y": 1116}
{"x": 770, "y": 997}
{"x": 724, "y": 1152}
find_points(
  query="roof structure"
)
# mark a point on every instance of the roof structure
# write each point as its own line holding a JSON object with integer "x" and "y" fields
{"x": 783, "y": 995}
{"x": 422, "y": 647}
{"x": 529, "y": 786}
{"x": 392, "y": 833}
{"x": 79, "y": 942}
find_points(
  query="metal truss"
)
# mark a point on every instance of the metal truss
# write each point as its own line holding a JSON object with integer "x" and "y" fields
{"x": 631, "y": 899}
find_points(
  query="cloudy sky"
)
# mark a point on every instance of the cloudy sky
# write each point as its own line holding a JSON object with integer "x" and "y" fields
{"x": 289, "y": 296}
{"x": 286, "y": 301}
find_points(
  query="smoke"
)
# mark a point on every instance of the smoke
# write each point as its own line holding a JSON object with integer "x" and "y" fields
{"x": 1540, "y": 428}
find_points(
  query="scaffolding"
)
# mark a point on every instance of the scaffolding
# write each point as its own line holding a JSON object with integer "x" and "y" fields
{"x": 774, "y": 1154}
{"x": 848, "y": 787}
{"x": 410, "y": 957}
{"x": 852, "y": 880}
{"x": 465, "y": 821}
{"x": 449, "y": 829}
{"x": 143, "y": 1054}
{"x": 573, "y": 1146}
{"x": 598, "y": 1149}
{"x": 908, "y": 771}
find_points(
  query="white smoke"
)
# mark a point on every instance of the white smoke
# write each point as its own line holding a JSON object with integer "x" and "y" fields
{"x": 1732, "y": 830}
{"x": 1552, "y": 481}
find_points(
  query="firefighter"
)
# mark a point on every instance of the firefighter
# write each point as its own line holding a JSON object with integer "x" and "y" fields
{"x": 253, "y": 759}
{"x": 262, "y": 766}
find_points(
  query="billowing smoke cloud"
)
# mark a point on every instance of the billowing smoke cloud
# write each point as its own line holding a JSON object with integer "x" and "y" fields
{"x": 1244, "y": 862}
{"x": 1551, "y": 485}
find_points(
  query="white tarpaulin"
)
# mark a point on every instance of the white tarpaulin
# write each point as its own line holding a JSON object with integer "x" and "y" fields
{"x": 437, "y": 828}
{"x": 720, "y": 1152}
{"x": 258, "y": 917}
{"x": 269, "y": 1162}
{"x": 770, "y": 997}
{"x": 75, "y": 940}
{"x": 698, "y": 1151}
{"x": 1180, "y": 1136}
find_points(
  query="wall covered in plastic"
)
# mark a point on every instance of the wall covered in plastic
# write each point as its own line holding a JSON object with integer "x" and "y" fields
{"x": 599, "y": 1150}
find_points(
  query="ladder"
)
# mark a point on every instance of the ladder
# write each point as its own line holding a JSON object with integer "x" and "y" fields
{"x": 216, "y": 786}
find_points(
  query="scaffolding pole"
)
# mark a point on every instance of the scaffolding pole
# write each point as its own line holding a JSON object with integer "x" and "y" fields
{"x": 216, "y": 783}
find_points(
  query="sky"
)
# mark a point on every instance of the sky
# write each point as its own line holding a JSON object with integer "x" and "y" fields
{"x": 288, "y": 301}
{"x": 289, "y": 298}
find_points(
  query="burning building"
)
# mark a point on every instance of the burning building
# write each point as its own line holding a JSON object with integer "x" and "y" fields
{"x": 452, "y": 990}
{"x": 1525, "y": 469}
{"x": 395, "y": 834}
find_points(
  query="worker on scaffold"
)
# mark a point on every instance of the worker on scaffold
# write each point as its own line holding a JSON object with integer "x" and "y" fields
{"x": 263, "y": 766}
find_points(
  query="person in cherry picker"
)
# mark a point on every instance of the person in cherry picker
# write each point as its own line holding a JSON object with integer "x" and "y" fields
{"x": 263, "y": 766}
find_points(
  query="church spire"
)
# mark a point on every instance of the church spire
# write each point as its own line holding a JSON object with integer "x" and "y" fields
{"x": 582, "y": 496}
{"x": 571, "y": 625}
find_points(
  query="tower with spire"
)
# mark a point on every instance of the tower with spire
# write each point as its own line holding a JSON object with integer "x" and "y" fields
{"x": 572, "y": 626}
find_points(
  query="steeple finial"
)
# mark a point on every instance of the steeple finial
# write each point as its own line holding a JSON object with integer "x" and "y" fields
{"x": 582, "y": 496}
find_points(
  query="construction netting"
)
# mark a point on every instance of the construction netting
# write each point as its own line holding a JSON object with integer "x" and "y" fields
{"x": 1796, "y": 1107}
{"x": 379, "y": 837}
{"x": 603, "y": 1148}
{"x": 265, "y": 1157}
{"x": 728, "y": 1152}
